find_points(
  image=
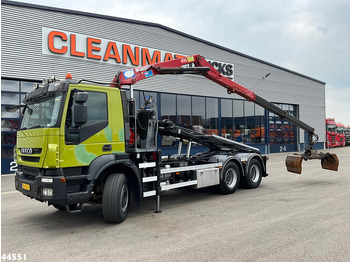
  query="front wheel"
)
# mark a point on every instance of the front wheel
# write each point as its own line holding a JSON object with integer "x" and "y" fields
{"x": 115, "y": 199}
{"x": 230, "y": 179}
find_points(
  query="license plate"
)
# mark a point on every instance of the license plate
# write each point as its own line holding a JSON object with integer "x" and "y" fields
{"x": 26, "y": 186}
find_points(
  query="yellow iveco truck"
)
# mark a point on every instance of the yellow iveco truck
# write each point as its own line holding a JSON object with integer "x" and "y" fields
{"x": 82, "y": 143}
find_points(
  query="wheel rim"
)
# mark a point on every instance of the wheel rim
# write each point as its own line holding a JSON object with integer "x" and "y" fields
{"x": 254, "y": 173}
{"x": 124, "y": 197}
{"x": 231, "y": 178}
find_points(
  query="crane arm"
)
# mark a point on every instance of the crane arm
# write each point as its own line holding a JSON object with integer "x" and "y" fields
{"x": 201, "y": 66}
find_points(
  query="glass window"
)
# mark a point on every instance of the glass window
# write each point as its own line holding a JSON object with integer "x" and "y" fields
{"x": 226, "y": 118}
{"x": 7, "y": 152}
{"x": 259, "y": 136}
{"x": 168, "y": 111}
{"x": 198, "y": 113}
{"x": 42, "y": 113}
{"x": 249, "y": 130}
{"x": 96, "y": 107}
{"x": 248, "y": 108}
{"x": 137, "y": 100}
{"x": 27, "y": 87}
{"x": 9, "y": 98}
{"x": 184, "y": 111}
{"x": 97, "y": 114}
{"x": 212, "y": 116}
{"x": 9, "y": 85}
{"x": 239, "y": 122}
{"x": 143, "y": 96}
{"x": 168, "y": 108}
{"x": 8, "y": 139}
{"x": 22, "y": 97}
{"x": 7, "y": 114}
{"x": 9, "y": 125}
{"x": 136, "y": 97}
{"x": 281, "y": 131}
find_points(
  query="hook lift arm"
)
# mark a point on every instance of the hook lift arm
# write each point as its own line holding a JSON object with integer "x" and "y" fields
{"x": 203, "y": 67}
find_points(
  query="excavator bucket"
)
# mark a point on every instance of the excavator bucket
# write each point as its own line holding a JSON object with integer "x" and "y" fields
{"x": 330, "y": 162}
{"x": 293, "y": 163}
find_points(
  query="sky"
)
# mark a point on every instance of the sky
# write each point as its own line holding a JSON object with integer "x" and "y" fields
{"x": 311, "y": 37}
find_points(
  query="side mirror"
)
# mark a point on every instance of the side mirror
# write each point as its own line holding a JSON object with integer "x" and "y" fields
{"x": 80, "y": 110}
{"x": 81, "y": 97}
{"x": 80, "y": 114}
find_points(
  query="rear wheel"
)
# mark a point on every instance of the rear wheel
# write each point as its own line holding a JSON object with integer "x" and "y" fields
{"x": 230, "y": 179}
{"x": 254, "y": 175}
{"x": 115, "y": 199}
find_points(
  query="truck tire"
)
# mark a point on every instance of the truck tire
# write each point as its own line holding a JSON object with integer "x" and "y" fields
{"x": 254, "y": 175}
{"x": 230, "y": 179}
{"x": 115, "y": 198}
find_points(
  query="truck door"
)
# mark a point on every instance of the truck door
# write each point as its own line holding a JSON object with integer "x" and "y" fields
{"x": 83, "y": 143}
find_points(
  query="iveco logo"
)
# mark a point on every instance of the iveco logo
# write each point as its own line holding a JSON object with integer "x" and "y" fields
{"x": 27, "y": 151}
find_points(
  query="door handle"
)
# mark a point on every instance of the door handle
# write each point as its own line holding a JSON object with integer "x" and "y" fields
{"x": 106, "y": 148}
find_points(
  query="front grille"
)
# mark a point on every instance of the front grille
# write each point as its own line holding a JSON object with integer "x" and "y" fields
{"x": 36, "y": 151}
{"x": 30, "y": 158}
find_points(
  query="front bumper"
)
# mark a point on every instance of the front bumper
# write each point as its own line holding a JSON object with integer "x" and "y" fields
{"x": 33, "y": 187}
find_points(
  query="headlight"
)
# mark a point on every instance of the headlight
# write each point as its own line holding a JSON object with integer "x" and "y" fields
{"x": 47, "y": 192}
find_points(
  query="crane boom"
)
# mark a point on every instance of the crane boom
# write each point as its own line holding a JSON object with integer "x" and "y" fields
{"x": 203, "y": 67}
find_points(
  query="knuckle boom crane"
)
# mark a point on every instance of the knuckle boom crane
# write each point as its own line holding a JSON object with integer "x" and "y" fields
{"x": 76, "y": 147}
{"x": 201, "y": 66}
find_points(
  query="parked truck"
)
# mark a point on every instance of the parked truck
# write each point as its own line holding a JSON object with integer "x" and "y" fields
{"x": 331, "y": 132}
{"x": 336, "y": 133}
{"x": 347, "y": 135}
{"x": 340, "y": 134}
{"x": 80, "y": 143}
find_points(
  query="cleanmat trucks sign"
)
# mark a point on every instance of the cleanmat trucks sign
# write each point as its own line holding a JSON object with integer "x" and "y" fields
{"x": 68, "y": 44}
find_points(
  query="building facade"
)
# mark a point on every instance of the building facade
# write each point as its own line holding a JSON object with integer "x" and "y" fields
{"x": 40, "y": 41}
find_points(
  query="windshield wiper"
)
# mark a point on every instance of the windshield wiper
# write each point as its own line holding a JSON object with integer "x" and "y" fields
{"x": 37, "y": 126}
{"x": 14, "y": 108}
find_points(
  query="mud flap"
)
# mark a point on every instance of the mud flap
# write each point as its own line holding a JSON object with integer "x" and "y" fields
{"x": 293, "y": 163}
{"x": 330, "y": 162}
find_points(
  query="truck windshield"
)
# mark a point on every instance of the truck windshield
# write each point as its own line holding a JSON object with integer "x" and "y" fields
{"x": 42, "y": 113}
{"x": 340, "y": 130}
{"x": 331, "y": 128}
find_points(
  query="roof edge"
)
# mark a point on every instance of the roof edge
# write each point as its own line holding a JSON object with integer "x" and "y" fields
{"x": 126, "y": 20}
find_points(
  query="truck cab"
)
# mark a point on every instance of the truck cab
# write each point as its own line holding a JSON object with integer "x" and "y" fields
{"x": 66, "y": 126}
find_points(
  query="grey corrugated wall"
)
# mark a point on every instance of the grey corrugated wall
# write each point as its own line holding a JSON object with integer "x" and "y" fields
{"x": 21, "y": 53}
